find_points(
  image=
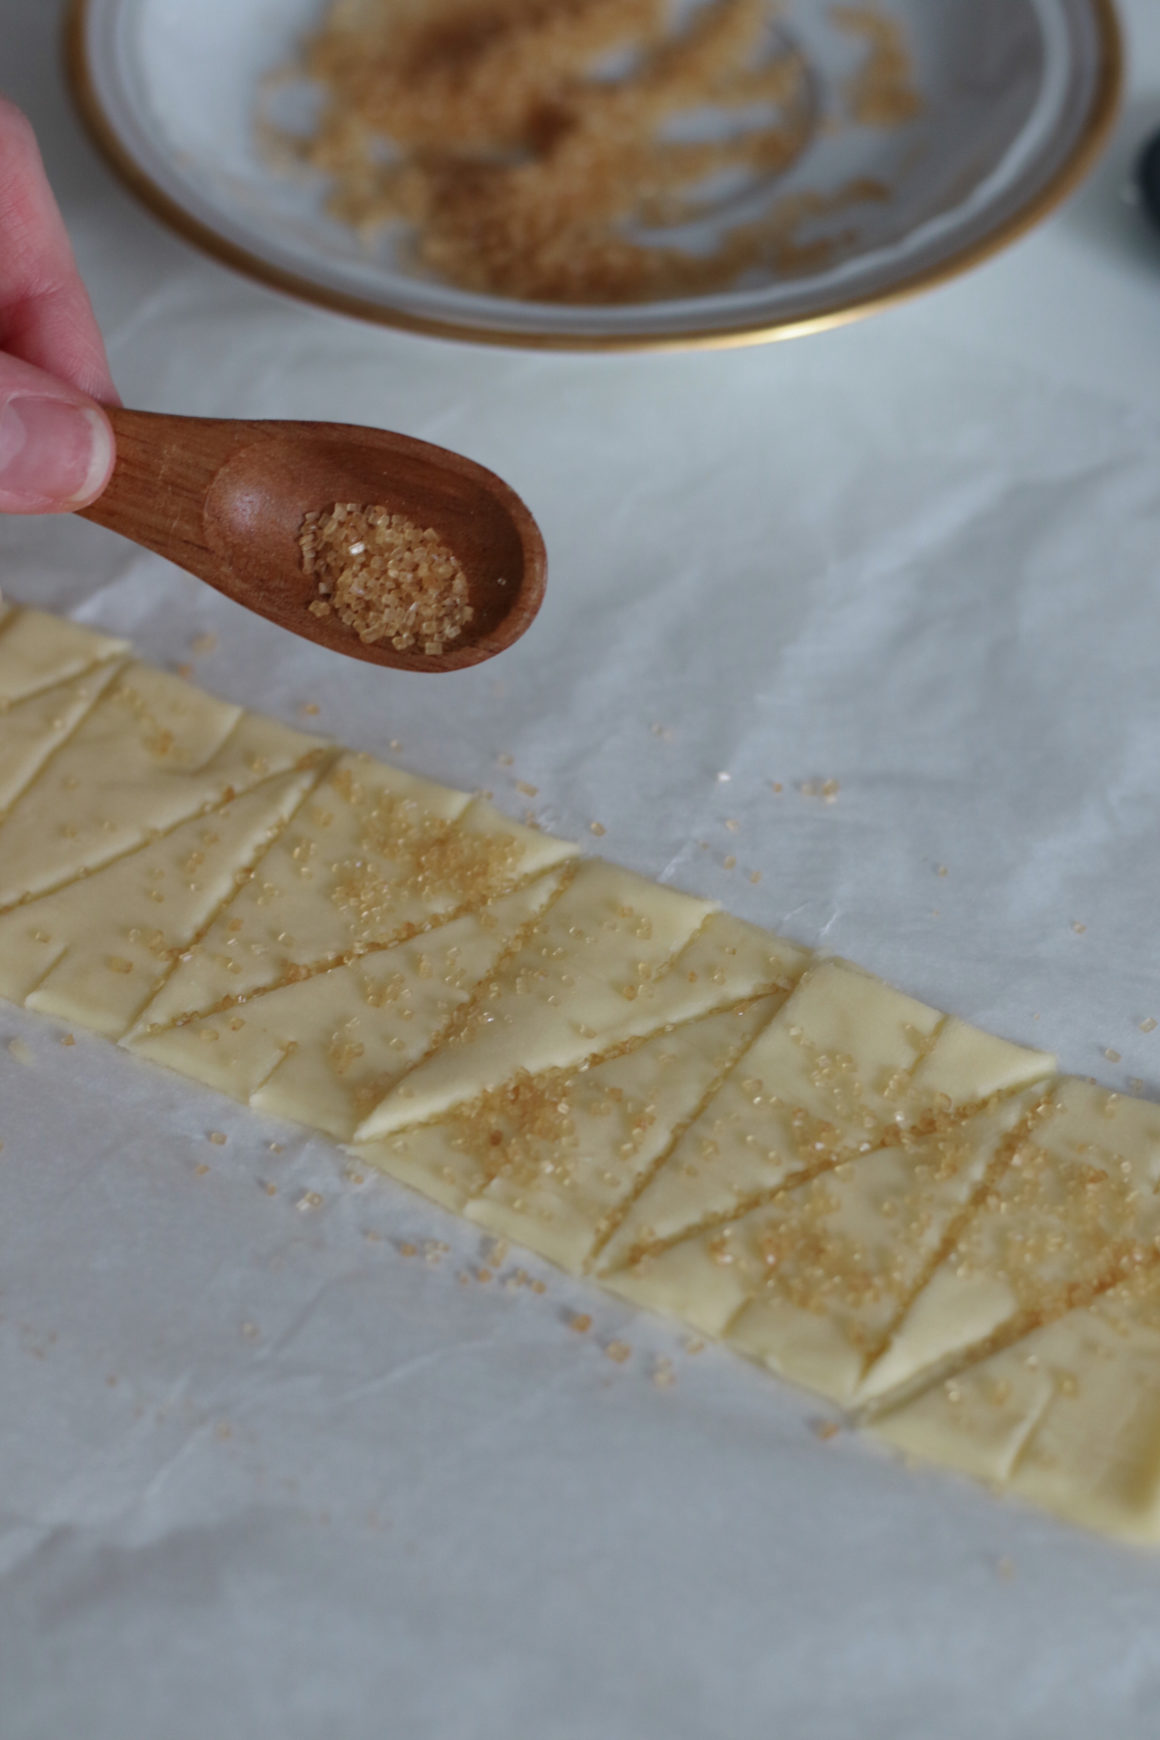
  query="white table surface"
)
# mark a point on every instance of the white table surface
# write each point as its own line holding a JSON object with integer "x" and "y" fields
{"x": 920, "y": 555}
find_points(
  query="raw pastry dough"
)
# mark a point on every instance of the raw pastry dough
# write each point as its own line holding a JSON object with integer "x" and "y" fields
{"x": 869, "y": 1197}
{"x": 1068, "y": 1417}
{"x": 151, "y": 753}
{"x": 51, "y": 673}
{"x": 813, "y": 1282}
{"x": 326, "y": 1048}
{"x": 38, "y": 651}
{"x": 149, "y": 906}
{"x": 846, "y": 1066}
{"x": 1073, "y": 1208}
{"x": 575, "y": 985}
{"x": 375, "y": 856}
{"x": 550, "y": 1159}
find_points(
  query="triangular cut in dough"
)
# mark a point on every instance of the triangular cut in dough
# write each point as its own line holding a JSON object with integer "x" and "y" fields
{"x": 811, "y": 1283}
{"x": 728, "y": 968}
{"x": 323, "y": 1050}
{"x": 34, "y": 727}
{"x": 549, "y": 1159}
{"x": 576, "y": 985}
{"x": 152, "y": 753}
{"x": 849, "y": 1065}
{"x": 376, "y": 856}
{"x": 38, "y": 651}
{"x": 1067, "y": 1417}
{"x": 95, "y": 951}
{"x": 1075, "y": 1208}
{"x": 578, "y": 1143}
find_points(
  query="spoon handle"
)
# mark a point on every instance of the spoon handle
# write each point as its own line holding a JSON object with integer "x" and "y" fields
{"x": 164, "y": 471}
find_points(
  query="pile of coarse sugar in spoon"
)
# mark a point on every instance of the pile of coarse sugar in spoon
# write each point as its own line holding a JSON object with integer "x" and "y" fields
{"x": 385, "y": 577}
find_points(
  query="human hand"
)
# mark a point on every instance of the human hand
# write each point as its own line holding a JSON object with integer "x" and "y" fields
{"x": 56, "y": 443}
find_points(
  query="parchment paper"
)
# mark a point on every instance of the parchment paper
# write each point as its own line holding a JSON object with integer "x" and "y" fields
{"x": 262, "y": 1475}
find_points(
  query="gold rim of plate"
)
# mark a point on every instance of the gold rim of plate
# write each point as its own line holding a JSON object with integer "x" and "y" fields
{"x": 1088, "y": 147}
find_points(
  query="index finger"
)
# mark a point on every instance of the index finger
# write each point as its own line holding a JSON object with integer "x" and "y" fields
{"x": 46, "y": 317}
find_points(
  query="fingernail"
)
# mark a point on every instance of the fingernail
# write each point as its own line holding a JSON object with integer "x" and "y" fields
{"x": 52, "y": 453}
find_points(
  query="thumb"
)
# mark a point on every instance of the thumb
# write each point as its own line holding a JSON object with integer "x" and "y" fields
{"x": 56, "y": 444}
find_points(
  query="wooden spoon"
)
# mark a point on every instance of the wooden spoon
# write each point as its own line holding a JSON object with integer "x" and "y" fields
{"x": 225, "y": 499}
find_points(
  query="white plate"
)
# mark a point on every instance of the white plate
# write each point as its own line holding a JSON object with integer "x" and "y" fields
{"x": 1019, "y": 96}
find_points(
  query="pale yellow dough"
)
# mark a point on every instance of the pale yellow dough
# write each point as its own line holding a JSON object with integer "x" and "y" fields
{"x": 323, "y": 1049}
{"x": 1076, "y": 1202}
{"x": 913, "y": 1218}
{"x": 813, "y": 1282}
{"x": 148, "y": 907}
{"x": 38, "y": 651}
{"x": 846, "y": 1066}
{"x": 51, "y": 674}
{"x": 151, "y": 753}
{"x": 375, "y": 856}
{"x": 578, "y": 983}
{"x": 35, "y": 726}
{"x": 1068, "y": 1417}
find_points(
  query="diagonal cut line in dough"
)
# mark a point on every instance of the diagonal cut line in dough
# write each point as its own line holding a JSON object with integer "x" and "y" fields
{"x": 811, "y": 1283}
{"x": 426, "y": 975}
{"x": 820, "y": 1082}
{"x": 315, "y": 969}
{"x": 377, "y": 857}
{"x": 319, "y": 773}
{"x": 840, "y": 1343}
{"x": 131, "y": 696}
{"x": 572, "y": 1140}
{"x": 621, "y": 1048}
{"x": 610, "y": 1103}
{"x": 32, "y": 902}
{"x": 847, "y": 1068}
{"x": 953, "y": 1232}
{"x": 782, "y": 968}
{"x": 56, "y": 738}
{"x": 38, "y": 651}
{"x": 1010, "y": 1334}
{"x": 1079, "y": 1213}
{"x": 1067, "y": 1418}
{"x": 662, "y": 1159}
{"x": 805, "y": 1279}
{"x": 1003, "y": 1340}
{"x": 992, "y": 1454}
{"x": 764, "y": 1198}
{"x": 29, "y": 902}
{"x": 759, "y": 1196}
{"x": 577, "y": 989}
{"x": 345, "y": 781}
{"x": 719, "y": 1221}
{"x": 536, "y": 1011}
{"x": 1035, "y": 1419}
{"x": 567, "y": 876}
{"x": 1077, "y": 1208}
{"x": 353, "y": 1031}
{"x": 110, "y": 661}
{"x": 151, "y": 905}
{"x": 115, "y": 660}
{"x": 807, "y": 1282}
{"x": 216, "y": 776}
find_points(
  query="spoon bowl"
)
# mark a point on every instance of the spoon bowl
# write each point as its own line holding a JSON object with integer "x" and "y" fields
{"x": 225, "y": 499}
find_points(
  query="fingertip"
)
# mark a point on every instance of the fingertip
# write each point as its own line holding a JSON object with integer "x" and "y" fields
{"x": 56, "y": 454}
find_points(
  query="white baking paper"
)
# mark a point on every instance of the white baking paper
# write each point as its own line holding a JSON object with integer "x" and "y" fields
{"x": 264, "y": 1476}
